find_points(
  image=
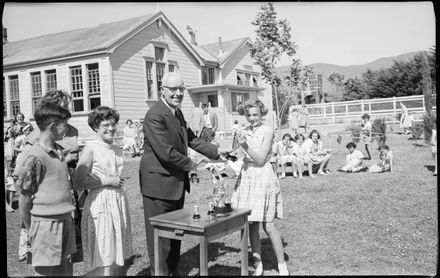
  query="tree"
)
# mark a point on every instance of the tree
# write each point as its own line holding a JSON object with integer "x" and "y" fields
{"x": 336, "y": 80}
{"x": 353, "y": 89}
{"x": 273, "y": 40}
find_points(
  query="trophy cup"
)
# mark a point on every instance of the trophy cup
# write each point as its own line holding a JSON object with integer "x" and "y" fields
{"x": 221, "y": 193}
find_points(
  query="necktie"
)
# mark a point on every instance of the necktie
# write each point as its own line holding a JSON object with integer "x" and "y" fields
{"x": 184, "y": 131}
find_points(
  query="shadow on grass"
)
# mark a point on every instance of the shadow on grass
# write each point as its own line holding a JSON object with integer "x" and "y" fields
{"x": 14, "y": 204}
{"x": 144, "y": 272}
{"x": 419, "y": 145}
{"x": 190, "y": 259}
{"x": 430, "y": 168}
{"x": 129, "y": 262}
{"x": 268, "y": 255}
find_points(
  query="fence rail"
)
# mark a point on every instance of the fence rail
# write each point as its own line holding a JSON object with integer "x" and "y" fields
{"x": 337, "y": 113}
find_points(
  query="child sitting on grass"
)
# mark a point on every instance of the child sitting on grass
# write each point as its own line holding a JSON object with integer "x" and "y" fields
{"x": 302, "y": 153}
{"x": 353, "y": 159}
{"x": 385, "y": 164}
{"x": 284, "y": 152}
{"x": 45, "y": 199}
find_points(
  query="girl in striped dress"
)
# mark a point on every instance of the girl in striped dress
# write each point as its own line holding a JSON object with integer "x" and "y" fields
{"x": 258, "y": 188}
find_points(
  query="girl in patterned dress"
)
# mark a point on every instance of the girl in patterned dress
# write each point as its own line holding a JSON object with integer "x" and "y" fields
{"x": 259, "y": 189}
{"x": 105, "y": 224}
{"x": 318, "y": 155}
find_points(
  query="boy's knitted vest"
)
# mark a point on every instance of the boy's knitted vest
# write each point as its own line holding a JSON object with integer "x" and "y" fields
{"x": 52, "y": 196}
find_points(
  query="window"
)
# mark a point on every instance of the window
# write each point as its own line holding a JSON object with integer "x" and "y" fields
{"x": 159, "y": 57}
{"x": 94, "y": 85}
{"x": 77, "y": 88}
{"x": 36, "y": 89}
{"x": 155, "y": 68}
{"x": 51, "y": 80}
{"x": 213, "y": 100}
{"x": 159, "y": 54}
{"x": 237, "y": 98}
{"x": 5, "y": 108}
{"x": 208, "y": 75}
{"x": 247, "y": 80}
{"x": 240, "y": 78}
{"x": 149, "y": 68}
{"x": 14, "y": 94}
{"x": 160, "y": 68}
{"x": 255, "y": 80}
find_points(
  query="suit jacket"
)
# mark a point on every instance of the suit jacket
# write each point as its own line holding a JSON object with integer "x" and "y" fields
{"x": 164, "y": 166}
{"x": 212, "y": 118}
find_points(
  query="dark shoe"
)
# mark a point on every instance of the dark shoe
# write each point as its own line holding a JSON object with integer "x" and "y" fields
{"x": 174, "y": 272}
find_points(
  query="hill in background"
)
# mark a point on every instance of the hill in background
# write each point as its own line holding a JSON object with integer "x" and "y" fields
{"x": 348, "y": 71}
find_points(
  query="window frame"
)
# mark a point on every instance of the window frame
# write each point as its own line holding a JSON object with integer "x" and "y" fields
{"x": 51, "y": 80}
{"x": 208, "y": 75}
{"x": 79, "y": 82}
{"x": 5, "y": 102}
{"x": 14, "y": 97}
{"x": 149, "y": 78}
{"x": 93, "y": 85}
{"x": 235, "y": 101}
{"x": 36, "y": 88}
{"x": 160, "y": 65}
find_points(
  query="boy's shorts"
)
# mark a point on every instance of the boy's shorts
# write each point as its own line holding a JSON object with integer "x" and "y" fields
{"x": 52, "y": 239}
{"x": 9, "y": 184}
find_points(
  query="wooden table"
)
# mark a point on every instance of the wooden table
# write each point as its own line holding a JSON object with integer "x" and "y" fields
{"x": 180, "y": 224}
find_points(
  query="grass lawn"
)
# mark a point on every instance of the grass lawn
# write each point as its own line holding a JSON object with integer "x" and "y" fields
{"x": 342, "y": 224}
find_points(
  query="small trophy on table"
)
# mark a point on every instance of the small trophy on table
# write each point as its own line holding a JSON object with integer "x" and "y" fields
{"x": 221, "y": 193}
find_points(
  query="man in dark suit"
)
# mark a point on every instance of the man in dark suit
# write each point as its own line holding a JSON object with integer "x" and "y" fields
{"x": 208, "y": 124}
{"x": 165, "y": 165}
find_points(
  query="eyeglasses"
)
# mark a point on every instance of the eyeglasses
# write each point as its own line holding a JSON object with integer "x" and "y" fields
{"x": 107, "y": 126}
{"x": 174, "y": 89}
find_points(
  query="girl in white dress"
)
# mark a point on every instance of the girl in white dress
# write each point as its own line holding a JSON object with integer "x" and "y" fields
{"x": 131, "y": 137}
{"x": 259, "y": 189}
{"x": 105, "y": 224}
{"x": 302, "y": 152}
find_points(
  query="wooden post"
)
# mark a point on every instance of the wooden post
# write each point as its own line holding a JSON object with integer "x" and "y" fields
{"x": 394, "y": 109}
{"x": 333, "y": 113}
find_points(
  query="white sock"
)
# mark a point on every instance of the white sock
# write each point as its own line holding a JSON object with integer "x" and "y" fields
{"x": 282, "y": 269}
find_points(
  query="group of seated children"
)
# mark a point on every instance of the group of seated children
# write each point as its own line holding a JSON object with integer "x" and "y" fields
{"x": 299, "y": 151}
{"x": 354, "y": 160}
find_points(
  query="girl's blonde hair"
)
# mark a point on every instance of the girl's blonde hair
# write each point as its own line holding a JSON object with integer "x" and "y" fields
{"x": 243, "y": 108}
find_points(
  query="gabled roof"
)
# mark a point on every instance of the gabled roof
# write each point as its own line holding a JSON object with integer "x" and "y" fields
{"x": 205, "y": 54}
{"x": 101, "y": 38}
{"x": 228, "y": 48}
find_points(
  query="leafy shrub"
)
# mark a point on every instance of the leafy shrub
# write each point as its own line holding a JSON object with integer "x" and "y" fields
{"x": 429, "y": 123}
{"x": 379, "y": 129}
{"x": 416, "y": 130}
{"x": 355, "y": 131}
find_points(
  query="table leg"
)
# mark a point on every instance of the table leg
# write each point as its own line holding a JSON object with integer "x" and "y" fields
{"x": 157, "y": 254}
{"x": 244, "y": 249}
{"x": 203, "y": 256}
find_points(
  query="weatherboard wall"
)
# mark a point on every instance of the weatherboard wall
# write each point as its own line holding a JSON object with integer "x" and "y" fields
{"x": 128, "y": 64}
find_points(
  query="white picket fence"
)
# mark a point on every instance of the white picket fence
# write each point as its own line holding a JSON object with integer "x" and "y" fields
{"x": 341, "y": 113}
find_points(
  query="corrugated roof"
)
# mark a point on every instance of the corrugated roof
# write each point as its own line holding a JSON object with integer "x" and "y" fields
{"x": 228, "y": 48}
{"x": 70, "y": 42}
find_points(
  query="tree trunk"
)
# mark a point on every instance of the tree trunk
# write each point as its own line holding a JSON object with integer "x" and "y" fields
{"x": 278, "y": 109}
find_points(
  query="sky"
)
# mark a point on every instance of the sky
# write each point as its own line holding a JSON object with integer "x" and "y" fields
{"x": 341, "y": 33}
